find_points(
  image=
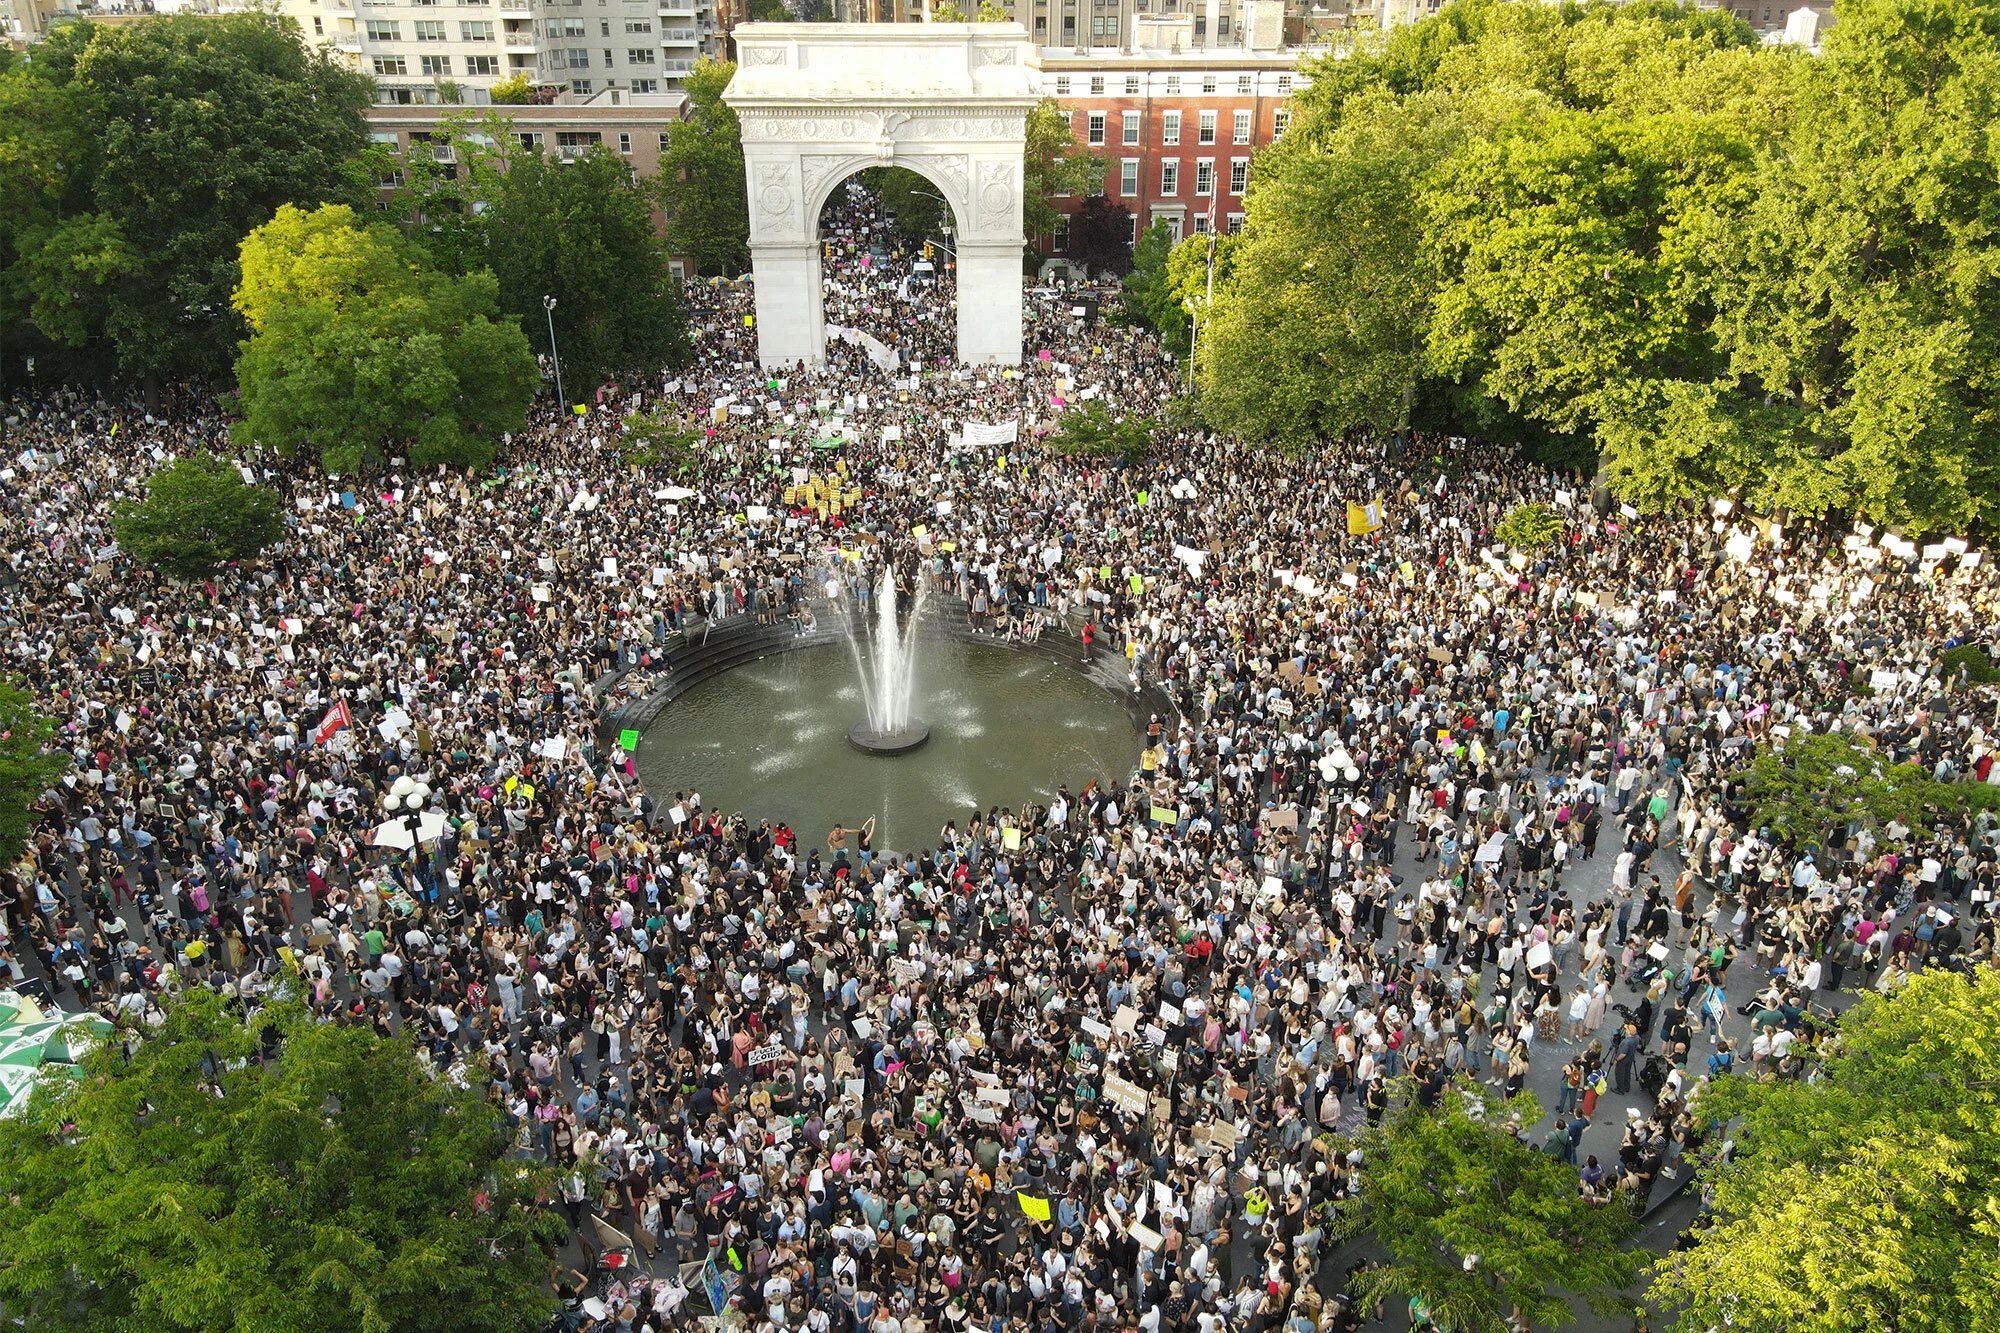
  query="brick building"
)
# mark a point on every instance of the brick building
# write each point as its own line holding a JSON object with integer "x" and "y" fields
{"x": 1177, "y": 129}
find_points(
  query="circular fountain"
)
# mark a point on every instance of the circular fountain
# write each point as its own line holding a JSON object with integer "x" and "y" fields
{"x": 888, "y": 673}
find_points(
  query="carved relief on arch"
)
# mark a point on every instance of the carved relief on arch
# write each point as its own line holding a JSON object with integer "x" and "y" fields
{"x": 776, "y": 208}
{"x": 994, "y": 196}
{"x": 764, "y": 55}
{"x": 817, "y": 170}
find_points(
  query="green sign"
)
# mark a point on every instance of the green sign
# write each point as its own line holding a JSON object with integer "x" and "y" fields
{"x": 628, "y": 739}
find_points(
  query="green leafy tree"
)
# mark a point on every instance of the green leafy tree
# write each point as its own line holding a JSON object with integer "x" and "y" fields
{"x": 196, "y": 1186}
{"x": 1091, "y": 431}
{"x": 198, "y": 128}
{"x": 1100, "y": 236}
{"x": 1478, "y": 1223}
{"x": 514, "y": 90}
{"x": 989, "y": 12}
{"x": 451, "y": 179}
{"x": 1864, "y": 1198}
{"x": 702, "y": 184}
{"x": 618, "y": 311}
{"x": 198, "y": 515}
{"x": 358, "y": 349}
{"x": 1053, "y": 163}
{"x": 1810, "y": 784}
{"x": 947, "y": 12}
{"x": 653, "y": 440}
{"x": 1528, "y": 527}
{"x": 27, "y": 767}
{"x": 1972, "y": 660}
{"x": 911, "y": 201}
{"x": 1150, "y": 294}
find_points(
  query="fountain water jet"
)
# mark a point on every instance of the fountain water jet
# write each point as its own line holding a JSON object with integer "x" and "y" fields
{"x": 888, "y": 676}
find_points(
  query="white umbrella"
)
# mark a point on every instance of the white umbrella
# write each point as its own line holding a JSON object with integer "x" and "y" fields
{"x": 396, "y": 833}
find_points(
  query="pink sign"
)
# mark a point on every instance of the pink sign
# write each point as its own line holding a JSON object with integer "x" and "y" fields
{"x": 1044, "y": 355}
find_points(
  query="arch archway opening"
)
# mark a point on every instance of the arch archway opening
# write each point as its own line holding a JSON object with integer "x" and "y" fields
{"x": 888, "y": 272}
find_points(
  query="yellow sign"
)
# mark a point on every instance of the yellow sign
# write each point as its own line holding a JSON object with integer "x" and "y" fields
{"x": 1363, "y": 519}
{"x": 1038, "y": 1209}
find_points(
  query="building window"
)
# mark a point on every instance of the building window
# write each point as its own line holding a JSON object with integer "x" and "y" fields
{"x": 1170, "y": 128}
{"x": 435, "y": 67}
{"x": 1206, "y": 134}
{"x": 1281, "y": 120}
{"x": 482, "y": 66}
{"x": 1096, "y": 135}
{"x": 1201, "y": 224}
{"x": 1222, "y": 25}
{"x": 1284, "y": 83}
{"x": 580, "y": 87}
{"x": 1132, "y": 122}
{"x": 1170, "y": 177}
{"x": 477, "y": 31}
{"x": 1173, "y": 85}
{"x": 319, "y": 28}
{"x": 1239, "y": 174}
{"x": 638, "y": 25}
{"x": 1208, "y": 83}
{"x": 1135, "y": 229}
{"x": 1062, "y": 234}
{"x": 646, "y": 86}
{"x": 641, "y": 55}
{"x": 1235, "y": 223}
{"x": 610, "y": 62}
{"x": 1131, "y": 85}
{"x": 430, "y": 30}
{"x": 1062, "y": 85}
{"x": 1240, "y": 131}
{"x": 1244, "y": 84}
{"x": 665, "y": 139}
{"x": 1128, "y": 177}
{"x": 578, "y": 139}
{"x": 384, "y": 30}
{"x": 1204, "y": 177}
{"x": 530, "y": 140}
{"x": 1097, "y": 80}
{"x": 625, "y": 144}
{"x": 389, "y": 65}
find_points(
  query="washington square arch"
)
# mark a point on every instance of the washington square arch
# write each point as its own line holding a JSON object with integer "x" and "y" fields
{"x": 821, "y": 101}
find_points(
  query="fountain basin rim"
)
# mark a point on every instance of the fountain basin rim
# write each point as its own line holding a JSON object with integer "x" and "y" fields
{"x": 904, "y": 739}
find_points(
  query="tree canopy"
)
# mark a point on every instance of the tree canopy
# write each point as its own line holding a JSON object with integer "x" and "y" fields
{"x": 200, "y": 1186}
{"x": 1053, "y": 163}
{"x": 1864, "y": 1198}
{"x": 133, "y": 158}
{"x": 1806, "y": 786}
{"x": 582, "y": 231}
{"x": 702, "y": 186}
{"x": 1729, "y": 268}
{"x": 1478, "y": 1223}
{"x": 27, "y": 767}
{"x": 357, "y": 348}
{"x": 198, "y": 515}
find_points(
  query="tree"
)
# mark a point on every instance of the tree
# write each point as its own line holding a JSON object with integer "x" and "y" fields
{"x": 947, "y": 12}
{"x": 1808, "y": 784}
{"x": 651, "y": 440}
{"x": 1052, "y": 164}
{"x": 27, "y": 767}
{"x": 911, "y": 201}
{"x": 617, "y": 311}
{"x": 451, "y": 181}
{"x": 1100, "y": 236}
{"x": 357, "y": 348}
{"x": 1478, "y": 1223}
{"x": 702, "y": 185}
{"x": 1090, "y": 431}
{"x": 1863, "y": 1198}
{"x": 1149, "y": 290}
{"x": 199, "y": 1185}
{"x": 1529, "y": 526}
{"x": 198, "y": 128}
{"x": 198, "y": 515}
{"x": 514, "y": 90}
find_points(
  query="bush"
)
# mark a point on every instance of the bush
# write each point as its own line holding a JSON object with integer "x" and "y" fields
{"x": 1979, "y": 668}
{"x": 198, "y": 514}
{"x": 1529, "y": 526}
{"x": 1091, "y": 431}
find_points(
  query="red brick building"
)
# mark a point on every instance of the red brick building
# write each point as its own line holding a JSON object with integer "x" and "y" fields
{"x": 1177, "y": 130}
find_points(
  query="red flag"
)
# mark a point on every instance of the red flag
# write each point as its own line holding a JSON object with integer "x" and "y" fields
{"x": 337, "y": 720}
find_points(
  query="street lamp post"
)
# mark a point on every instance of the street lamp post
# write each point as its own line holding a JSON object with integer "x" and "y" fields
{"x": 555, "y": 359}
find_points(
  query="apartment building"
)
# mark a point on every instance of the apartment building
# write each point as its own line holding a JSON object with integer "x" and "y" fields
{"x": 430, "y": 52}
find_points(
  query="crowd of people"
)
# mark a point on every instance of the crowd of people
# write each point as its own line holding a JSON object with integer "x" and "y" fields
{"x": 1438, "y": 809}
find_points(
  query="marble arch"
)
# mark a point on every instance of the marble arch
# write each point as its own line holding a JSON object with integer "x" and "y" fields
{"x": 820, "y": 101}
